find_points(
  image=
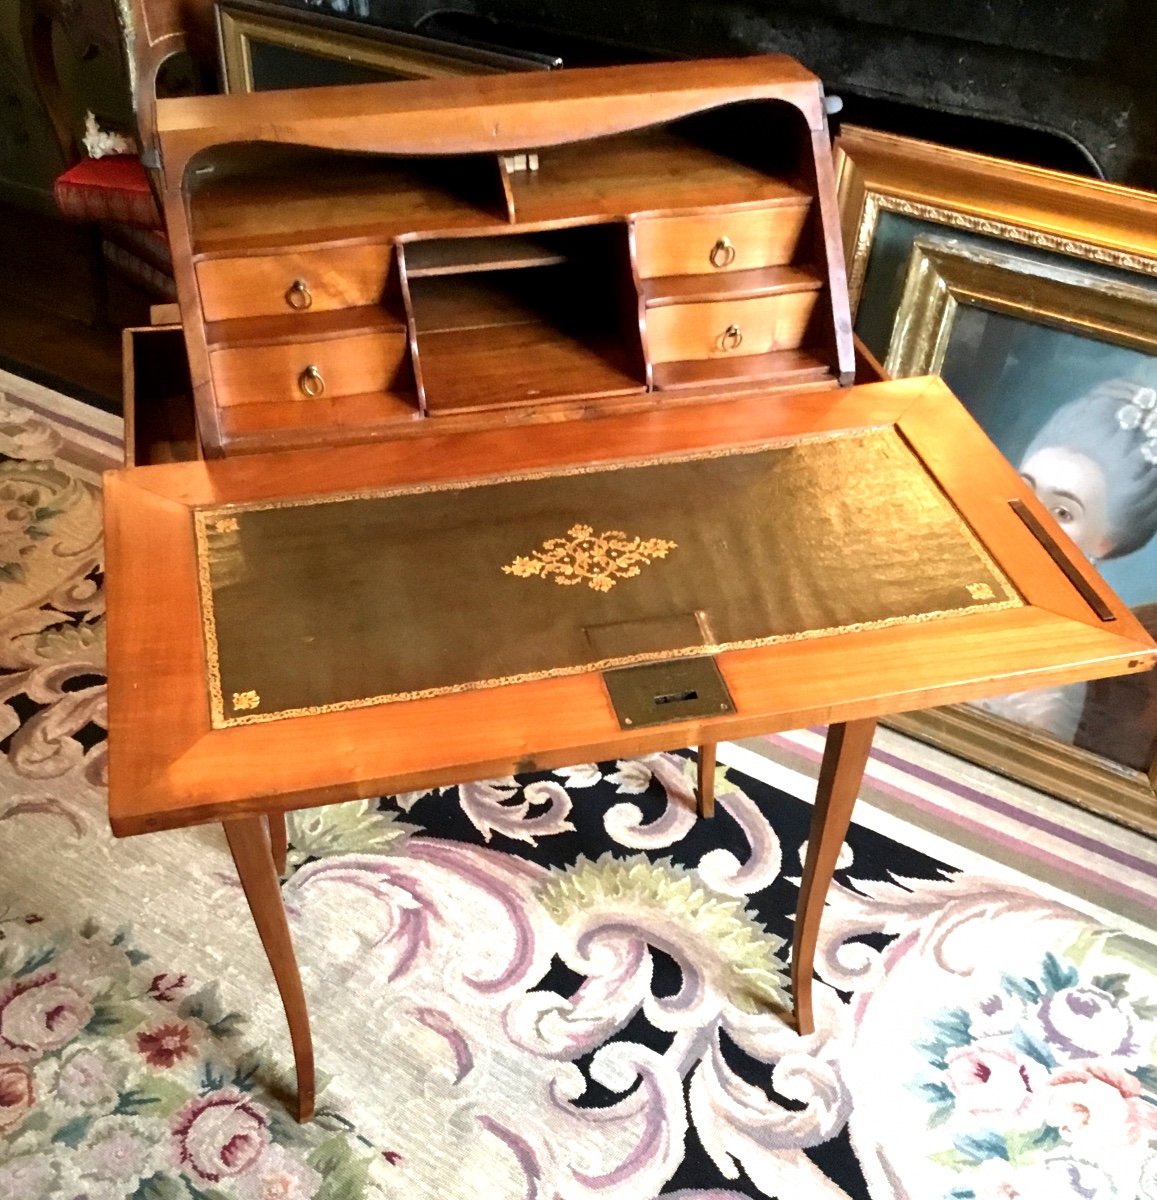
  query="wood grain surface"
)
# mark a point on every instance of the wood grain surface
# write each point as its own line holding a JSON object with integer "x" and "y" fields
{"x": 683, "y": 245}
{"x": 263, "y": 285}
{"x": 737, "y": 285}
{"x": 168, "y": 768}
{"x": 701, "y": 331}
{"x": 302, "y": 204}
{"x": 346, "y": 366}
{"x": 493, "y": 114}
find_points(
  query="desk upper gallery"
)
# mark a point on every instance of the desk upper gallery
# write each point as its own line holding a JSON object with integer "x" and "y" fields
{"x": 577, "y": 346}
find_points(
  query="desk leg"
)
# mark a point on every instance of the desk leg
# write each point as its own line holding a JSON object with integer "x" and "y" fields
{"x": 278, "y": 840}
{"x": 249, "y": 842}
{"x": 845, "y": 756}
{"x": 705, "y": 794}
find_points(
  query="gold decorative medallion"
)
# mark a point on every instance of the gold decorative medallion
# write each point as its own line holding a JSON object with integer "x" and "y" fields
{"x": 243, "y": 701}
{"x": 981, "y": 591}
{"x": 598, "y": 560}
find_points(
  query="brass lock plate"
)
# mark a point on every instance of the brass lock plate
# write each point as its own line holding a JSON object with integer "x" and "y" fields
{"x": 664, "y": 692}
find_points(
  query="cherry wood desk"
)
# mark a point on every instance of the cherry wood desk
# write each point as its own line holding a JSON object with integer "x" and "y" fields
{"x": 838, "y": 587}
{"x": 359, "y": 263}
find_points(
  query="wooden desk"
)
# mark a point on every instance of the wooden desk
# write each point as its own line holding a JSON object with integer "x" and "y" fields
{"x": 356, "y": 264}
{"x": 182, "y": 752}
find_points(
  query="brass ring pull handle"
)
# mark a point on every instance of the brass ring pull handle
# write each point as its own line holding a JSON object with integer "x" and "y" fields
{"x": 299, "y": 296}
{"x": 731, "y": 338}
{"x": 311, "y": 382}
{"x": 723, "y": 253}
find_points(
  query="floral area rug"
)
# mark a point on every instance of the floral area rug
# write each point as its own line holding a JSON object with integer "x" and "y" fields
{"x": 561, "y": 986}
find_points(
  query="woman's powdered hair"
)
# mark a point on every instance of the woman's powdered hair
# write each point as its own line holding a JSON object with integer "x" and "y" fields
{"x": 1097, "y": 425}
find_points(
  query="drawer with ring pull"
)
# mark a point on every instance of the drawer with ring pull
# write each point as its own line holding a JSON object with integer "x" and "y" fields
{"x": 309, "y": 370}
{"x": 310, "y": 280}
{"x": 724, "y": 328}
{"x": 722, "y": 241}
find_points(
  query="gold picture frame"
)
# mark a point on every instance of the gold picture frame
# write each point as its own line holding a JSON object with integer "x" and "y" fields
{"x": 942, "y": 277}
{"x": 931, "y": 233}
{"x": 349, "y": 51}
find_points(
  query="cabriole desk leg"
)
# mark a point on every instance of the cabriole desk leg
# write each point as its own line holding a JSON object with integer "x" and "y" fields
{"x": 253, "y": 853}
{"x": 845, "y": 756}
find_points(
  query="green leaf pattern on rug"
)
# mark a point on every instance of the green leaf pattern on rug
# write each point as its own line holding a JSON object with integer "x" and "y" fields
{"x": 745, "y": 956}
{"x": 119, "y": 1083}
{"x": 356, "y": 827}
{"x": 342, "y": 1170}
{"x": 46, "y": 517}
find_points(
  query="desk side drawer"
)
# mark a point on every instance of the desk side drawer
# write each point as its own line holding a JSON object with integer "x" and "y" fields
{"x": 305, "y": 371}
{"x": 269, "y": 285}
{"x": 719, "y": 242}
{"x": 729, "y": 328}
{"x": 157, "y": 394}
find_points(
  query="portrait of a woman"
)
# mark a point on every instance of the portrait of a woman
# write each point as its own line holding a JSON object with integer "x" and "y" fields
{"x": 1093, "y": 465}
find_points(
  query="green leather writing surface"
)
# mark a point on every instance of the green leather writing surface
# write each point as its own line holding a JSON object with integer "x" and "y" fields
{"x": 369, "y": 598}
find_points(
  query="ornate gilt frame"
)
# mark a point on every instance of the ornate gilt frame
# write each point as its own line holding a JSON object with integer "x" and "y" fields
{"x": 240, "y": 23}
{"x": 1088, "y": 222}
{"x": 941, "y": 277}
{"x": 1086, "y": 219}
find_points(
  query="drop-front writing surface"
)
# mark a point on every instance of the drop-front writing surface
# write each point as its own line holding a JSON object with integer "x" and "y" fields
{"x": 357, "y": 263}
{"x": 170, "y": 763}
{"x": 526, "y": 577}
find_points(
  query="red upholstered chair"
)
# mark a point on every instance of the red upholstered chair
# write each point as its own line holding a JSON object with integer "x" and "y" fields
{"x": 115, "y": 193}
{"x": 110, "y": 189}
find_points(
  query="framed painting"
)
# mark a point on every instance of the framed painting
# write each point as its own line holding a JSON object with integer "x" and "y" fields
{"x": 266, "y": 46}
{"x": 1034, "y": 295}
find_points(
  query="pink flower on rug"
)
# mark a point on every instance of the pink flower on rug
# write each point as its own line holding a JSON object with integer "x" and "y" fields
{"x": 166, "y": 1045}
{"x": 279, "y": 1175}
{"x": 117, "y": 1150}
{"x": 16, "y": 1095}
{"x": 1054, "y": 1179}
{"x": 220, "y": 1135}
{"x": 1087, "y": 1023}
{"x": 996, "y": 1179}
{"x": 1074, "y": 1178}
{"x": 166, "y": 986}
{"x": 1099, "y": 1103}
{"x": 88, "y": 1079}
{"x": 29, "y": 1178}
{"x": 993, "y": 1079}
{"x": 41, "y": 1014}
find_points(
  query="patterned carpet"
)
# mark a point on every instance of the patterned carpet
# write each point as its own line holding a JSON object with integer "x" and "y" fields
{"x": 560, "y": 986}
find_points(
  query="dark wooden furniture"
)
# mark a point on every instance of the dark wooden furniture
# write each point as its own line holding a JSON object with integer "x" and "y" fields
{"x": 114, "y": 195}
{"x": 355, "y": 263}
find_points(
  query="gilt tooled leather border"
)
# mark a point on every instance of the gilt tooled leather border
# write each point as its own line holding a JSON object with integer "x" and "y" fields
{"x": 225, "y": 518}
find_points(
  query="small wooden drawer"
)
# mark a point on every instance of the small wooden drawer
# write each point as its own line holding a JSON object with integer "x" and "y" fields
{"x": 711, "y": 243}
{"x": 160, "y": 425}
{"x": 728, "y": 328}
{"x": 306, "y": 371}
{"x": 269, "y": 285}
